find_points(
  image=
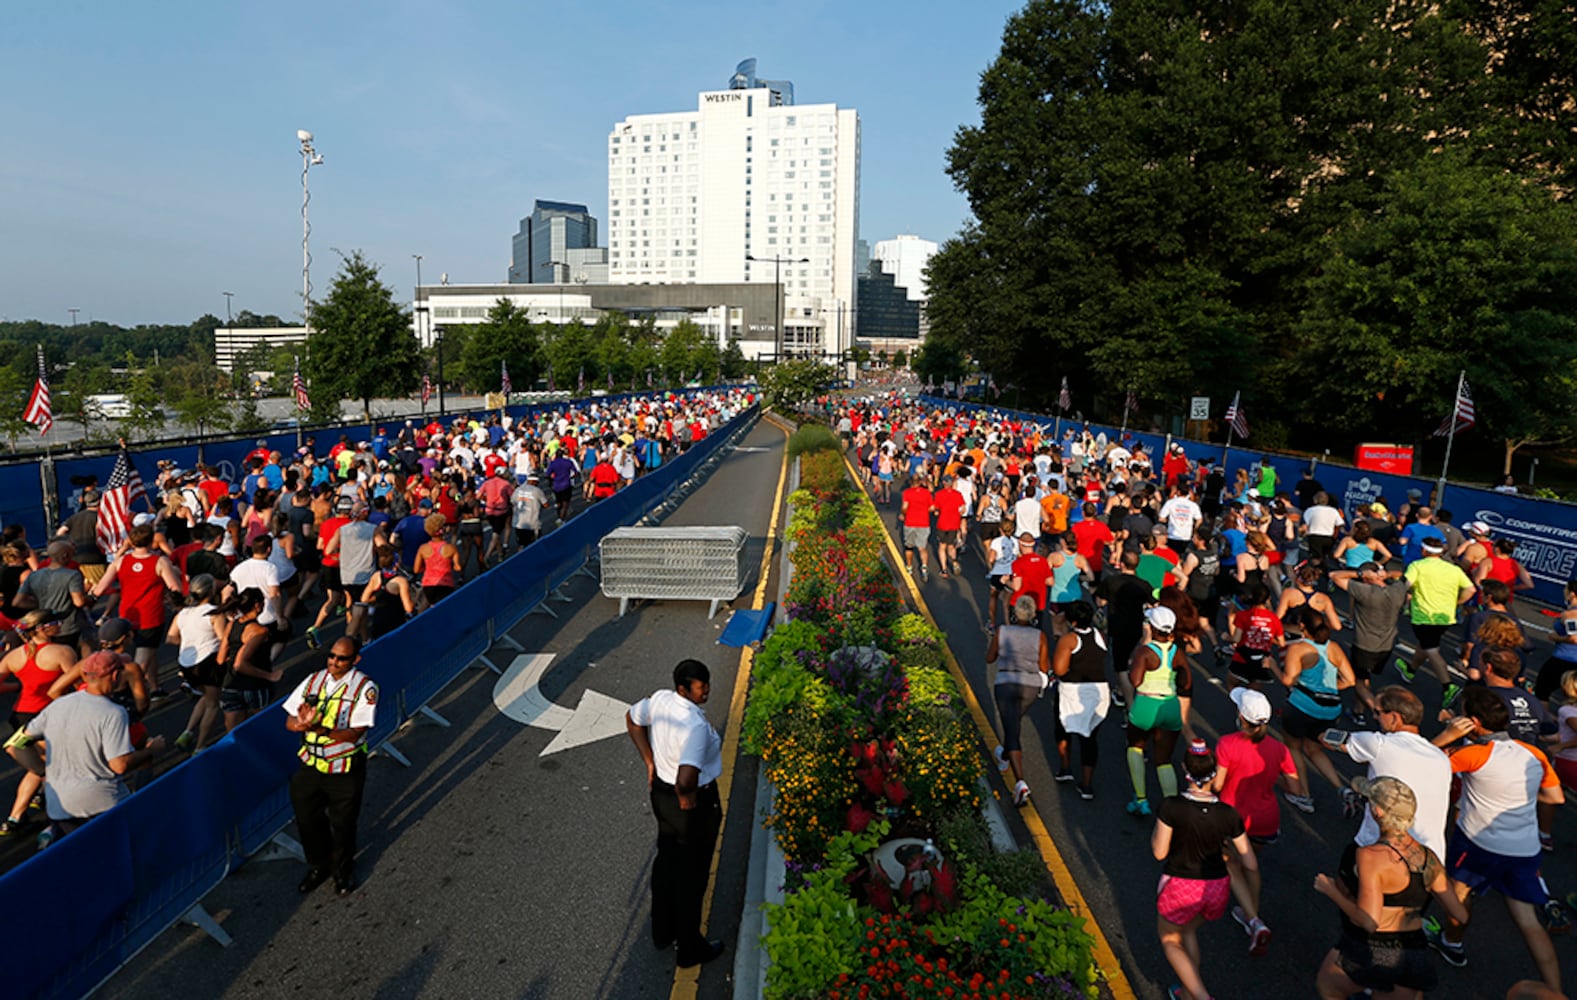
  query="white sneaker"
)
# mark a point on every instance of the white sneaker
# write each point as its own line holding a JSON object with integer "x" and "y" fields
{"x": 1021, "y": 793}
{"x": 1001, "y": 756}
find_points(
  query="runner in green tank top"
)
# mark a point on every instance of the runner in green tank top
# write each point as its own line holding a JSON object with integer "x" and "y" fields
{"x": 1163, "y": 687}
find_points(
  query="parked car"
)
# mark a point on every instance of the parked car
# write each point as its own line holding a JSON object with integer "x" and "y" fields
{"x": 108, "y": 406}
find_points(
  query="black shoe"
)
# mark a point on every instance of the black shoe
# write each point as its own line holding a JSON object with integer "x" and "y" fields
{"x": 1064, "y": 776}
{"x": 344, "y": 886}
{"x": 712, "y": 949}
{"x": 315, "y": 878}
{"x": 1086, "y": 792}
{"x": 663, "y": 944}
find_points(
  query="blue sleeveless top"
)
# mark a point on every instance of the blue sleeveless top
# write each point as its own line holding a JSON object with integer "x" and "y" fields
{"x": 1315, "y": 693}
{"x": 1066, "y": 587}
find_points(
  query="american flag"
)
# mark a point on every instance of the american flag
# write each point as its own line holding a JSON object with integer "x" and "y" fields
{"x": 1131, "y": 404}
{"x": 1235, "y": 416}
{"x": 299, "y": 385}
{"x": 580, "y": 384}
{"x": 427, "y": 388}
{"x": 124, "y": 489}
{"x": 504, "y": 385}
{"x": 38, "y": 413}
{"x": 1463, "y": 413}
{"x": 550, "y": 381}
{"x": 648, "y": 378}
{"x": 1065, "y": 398}
{"x": 610, "y": 379}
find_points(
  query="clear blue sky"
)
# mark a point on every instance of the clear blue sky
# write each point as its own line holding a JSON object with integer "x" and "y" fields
{"x": 151, "y": 159}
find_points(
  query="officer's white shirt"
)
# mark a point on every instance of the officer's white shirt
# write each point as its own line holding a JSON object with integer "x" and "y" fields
{"x": 679, "y": 734}
{"x": 363, "y": 714}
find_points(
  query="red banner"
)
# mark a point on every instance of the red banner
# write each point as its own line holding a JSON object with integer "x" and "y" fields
{"x": 1396, "y": 459}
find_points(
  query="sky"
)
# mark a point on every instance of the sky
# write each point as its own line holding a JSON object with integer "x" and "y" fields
{"x": 152, "y": 161}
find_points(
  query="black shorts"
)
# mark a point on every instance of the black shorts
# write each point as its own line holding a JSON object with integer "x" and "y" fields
{"x": 1387, "y": 961}
{"x": 204, "y": 673}
{"x": 498, "y": 522}
{"x": 1250, "y": 671}
{"x": 1298, "y": 725}
{"x": 1001, "y": 582}
{"x": 1320, "y": 547}
{"x": 471, "y": 528}
{"x": 437, "y": 592}
{"x": 148, "y": 638}
{"x": 988, "y": 530}
{"x": 280, "y": 630}
{"x": 1367, "y": 663}
{"x": 331, "y": 580}
{"x": 563, "y": 496}
{"x": 308, "y": 560}
{"x": 1430, "y": 636}
{"x": 525, "y": 536}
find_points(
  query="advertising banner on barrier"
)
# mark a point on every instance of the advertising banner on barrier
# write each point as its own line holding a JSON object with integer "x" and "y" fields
{"x": 1545, "y": 533}
{"x": 1396, "y": 459}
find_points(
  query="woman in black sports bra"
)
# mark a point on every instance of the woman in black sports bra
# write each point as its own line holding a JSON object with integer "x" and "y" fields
{"x": 1382, "y": 892}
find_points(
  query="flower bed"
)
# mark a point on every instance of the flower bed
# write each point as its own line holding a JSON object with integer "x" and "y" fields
{"x": 893, "y": 888}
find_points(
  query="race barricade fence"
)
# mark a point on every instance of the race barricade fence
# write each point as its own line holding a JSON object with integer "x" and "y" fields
{"x": 102, "y": 894}
{"x": 1545, "y": 530}
{"x": 689, "y": 563}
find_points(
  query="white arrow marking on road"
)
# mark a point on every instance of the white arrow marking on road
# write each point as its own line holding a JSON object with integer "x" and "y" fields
{"x": 518, "y": 696}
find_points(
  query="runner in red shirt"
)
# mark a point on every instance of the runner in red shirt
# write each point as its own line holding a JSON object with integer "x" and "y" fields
{"x": 333, "y": 588}
{"x": 604, "y": 479}
{"x": 1256, "y": 633}
{"x": 915, "y": 504}
{"x": 1031, "y": 574}
{"x": 1094, "y": 536}
{"x": 145, "y": 576}
{"x": 949, "y": 504}
{"x": 1249, "y": 763}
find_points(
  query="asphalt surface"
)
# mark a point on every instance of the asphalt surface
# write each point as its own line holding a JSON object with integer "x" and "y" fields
{"x": 487, "y": 869}
{"x": 1108, "y": 851}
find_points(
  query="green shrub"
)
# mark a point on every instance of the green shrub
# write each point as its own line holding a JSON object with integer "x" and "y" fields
{"x": 1056, "y": 940}
{"x": 811, "y": 438}
{"x": 814, "y": 934}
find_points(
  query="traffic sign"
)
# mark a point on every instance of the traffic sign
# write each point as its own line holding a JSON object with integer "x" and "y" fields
{"x": 1199, "y": 408}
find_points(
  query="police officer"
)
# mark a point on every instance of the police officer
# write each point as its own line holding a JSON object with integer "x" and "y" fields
{"x": 332, "y": 709}
{"x": 683, "y": 756}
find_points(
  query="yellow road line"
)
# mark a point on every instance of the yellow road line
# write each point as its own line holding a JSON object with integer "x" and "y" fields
{"x": 687, "y": 980}
{"x": 1105, "y": 958}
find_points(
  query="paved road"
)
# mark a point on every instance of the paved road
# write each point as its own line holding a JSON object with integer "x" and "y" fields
{"x": 1108, "y": 851}
{"x": 490, "y": 870}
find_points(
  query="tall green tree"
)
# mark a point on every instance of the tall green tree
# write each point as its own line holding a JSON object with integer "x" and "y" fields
{"x": 145, "y": 394}
{"x": 507, "y": 337}
{"x": 15, "y": 388}
{"x": 362, "y": 345}
{"x": 570, "y": 352}
{"x": 195, "y": 389}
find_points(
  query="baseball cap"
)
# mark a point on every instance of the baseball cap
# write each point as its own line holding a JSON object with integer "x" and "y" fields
{"x": 358, "y": 509}
{"x": 424, "y": 505}
{"x": 143, "y": 518}
{"x": 1161, "y": 619}
{"x": 1477, "y": 528}
{"x": 1252, "y": 705}
{"x": 114, "y": 630}
{"x": 1391, "y": 794}
{"x": 101, "y": 664}
{"x": 343, "y": 503}
{"x": 1415, "y": 495}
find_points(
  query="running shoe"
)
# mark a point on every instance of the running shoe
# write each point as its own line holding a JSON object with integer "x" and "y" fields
{"x": 1139, "y": 807}
{"x": 47, "y": 837}
{"x": 1302, "y": 803}
{"x": 1021, "y": 793}
{"x": 1117, "y": 698}
{"x": 1064, "y": 776}
{"x": 1547, "y": 842}
{"x": 184, "y": 741}
{"x": 1259, "y": 938}
{"x": 1360, "y": 719}
{"x": 1352, "y": 803}
{"x": 313, "y": 642}
{"x": 1241, "y": 916}
{"x": 925, "y": 574}
{"x": 1086, "y": 792}
{"x": 1453, "y": 954}
{"x": 11, "y": 827}
{"x": 1555, "y": 919}
{"x": 1406, "y": 670}
{"x": 1001, "y": 756}
{"x": 1450, "y": 694}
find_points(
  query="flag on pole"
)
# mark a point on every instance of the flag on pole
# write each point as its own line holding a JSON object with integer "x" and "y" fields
{"x": 504, "y": 385}
{"x": 580, "y": 383}
{"x": 1462, "y": 413}
{"x": 123, "y": 489}
{"x": 551, "y": 387}
{"x": 427, "y": 388}
{"x": 299, "y": 385}
{"x": 1131, "y": 404}
{"x": 1065, "y": 398}
{"x": 38, "y": 412}
{"x": 1235, "y": 416}
{"x": 610, "y": 379}
{"x": 648, "y": 378}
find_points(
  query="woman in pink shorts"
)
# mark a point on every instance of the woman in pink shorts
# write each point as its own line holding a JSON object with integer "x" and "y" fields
{"x": 1192, "y": 830}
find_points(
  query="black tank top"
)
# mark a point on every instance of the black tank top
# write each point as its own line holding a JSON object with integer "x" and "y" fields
{"x": 1087, "y": 664}
{"x": 262, "y": 660}
{"x": 1413, "y": 898}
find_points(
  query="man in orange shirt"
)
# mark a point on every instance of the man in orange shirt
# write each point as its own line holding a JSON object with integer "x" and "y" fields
{"x": 1054, "y": 507}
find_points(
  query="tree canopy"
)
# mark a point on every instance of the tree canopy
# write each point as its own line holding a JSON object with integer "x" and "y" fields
{"x": 361, "y": 345}
{"x": 1200, "y": 200}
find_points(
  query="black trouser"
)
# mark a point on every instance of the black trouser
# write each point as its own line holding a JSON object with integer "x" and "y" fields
{"x": 685, "y": 841}
{"x": 327, "y": 807}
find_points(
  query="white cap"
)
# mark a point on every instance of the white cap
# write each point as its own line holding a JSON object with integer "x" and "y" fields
{"x": 1161, "y": 619}
{"x": 143, "y": 518}
{"x": 1253, "y": 706}
{"x": 1477, "y": 528}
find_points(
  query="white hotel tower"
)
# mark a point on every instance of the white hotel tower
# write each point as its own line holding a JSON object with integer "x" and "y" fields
{"x": 693, "y": 194}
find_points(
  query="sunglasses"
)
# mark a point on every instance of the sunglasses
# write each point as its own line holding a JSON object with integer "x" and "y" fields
{"x": 337, "y": 658}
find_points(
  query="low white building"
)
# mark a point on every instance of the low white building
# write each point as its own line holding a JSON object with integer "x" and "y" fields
{"x": 230, "y": 343}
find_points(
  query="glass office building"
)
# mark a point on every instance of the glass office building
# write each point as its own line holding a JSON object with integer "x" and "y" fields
{"x": 542, "y": 247}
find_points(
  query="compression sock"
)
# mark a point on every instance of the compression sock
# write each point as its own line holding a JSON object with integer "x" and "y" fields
{"x": 1136, "y": 771}
{"x": 1167, "y": 776}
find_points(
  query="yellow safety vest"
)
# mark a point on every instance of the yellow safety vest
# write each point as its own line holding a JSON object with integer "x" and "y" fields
{"x": 335, "y": 703}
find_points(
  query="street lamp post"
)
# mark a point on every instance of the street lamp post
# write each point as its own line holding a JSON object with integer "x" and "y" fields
{"x": 310, "y": 158}
{"x": 556, "y": 281}
{"x": 777, "y": 295}
{"x": 73, "y": 313}
{"x": 438, "y": 342}
{"x": 229, "y": 337}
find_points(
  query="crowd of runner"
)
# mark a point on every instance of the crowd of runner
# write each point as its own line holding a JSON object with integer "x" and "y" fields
{"x": 216, "y": 572}
{"x": 1119, "y": 580}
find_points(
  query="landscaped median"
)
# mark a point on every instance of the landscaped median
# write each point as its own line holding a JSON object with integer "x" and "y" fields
{"x": 893, "y": 887}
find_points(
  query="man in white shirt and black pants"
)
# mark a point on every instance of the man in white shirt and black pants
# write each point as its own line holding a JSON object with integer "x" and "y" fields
{"x": 683, "y": 756}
